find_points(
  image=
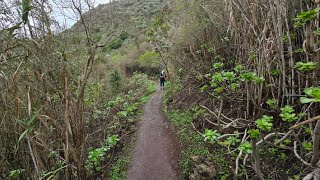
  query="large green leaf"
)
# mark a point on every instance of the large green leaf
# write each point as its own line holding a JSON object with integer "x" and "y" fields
{"x": 305, "y": 100}
{"x": 313, "y": 92}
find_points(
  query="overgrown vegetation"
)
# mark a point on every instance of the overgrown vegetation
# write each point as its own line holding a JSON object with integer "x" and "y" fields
{"x": 66, "y": 110}
{"x": 249, "y": 69}
{"x": 244, "y": 90}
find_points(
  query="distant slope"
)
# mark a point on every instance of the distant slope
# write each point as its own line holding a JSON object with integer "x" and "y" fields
{"x": 125, "y": 15}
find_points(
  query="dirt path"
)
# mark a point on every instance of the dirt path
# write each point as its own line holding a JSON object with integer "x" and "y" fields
{"x": 156, "y": 152}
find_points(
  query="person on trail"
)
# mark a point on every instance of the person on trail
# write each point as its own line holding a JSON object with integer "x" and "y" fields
{"x": 162, "y": 79}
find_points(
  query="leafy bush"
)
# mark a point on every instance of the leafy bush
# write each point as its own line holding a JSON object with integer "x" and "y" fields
{"x": 313, "y": 92}
{"x": 150, "y": 58}
{"x": 96, "y": 156}
{"x": 124, "y": 35}
{"x": 142, "y": 83}
{"x": 115, "y": 44}
{"x": 287, "y": 114}
{"x": 92, "y": 93}
{"x": 305, "y": 66}
{"x": 210, "y": 135}
{"x": 115, "y": 80}
{"x": 246, "y": 147}
{"x": 305, "y": 17}
{"x": 264, "y": 123}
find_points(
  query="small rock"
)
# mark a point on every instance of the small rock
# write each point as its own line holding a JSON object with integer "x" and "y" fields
{"x": 202, "y": 169}
{"x": 196, "y": 159}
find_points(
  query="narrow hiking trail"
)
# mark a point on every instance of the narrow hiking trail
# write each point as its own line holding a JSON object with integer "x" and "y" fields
{"x": 156, "y": 152}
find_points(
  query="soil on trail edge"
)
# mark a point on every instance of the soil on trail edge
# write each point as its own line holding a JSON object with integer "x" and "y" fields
{"x": 156, "y": 152}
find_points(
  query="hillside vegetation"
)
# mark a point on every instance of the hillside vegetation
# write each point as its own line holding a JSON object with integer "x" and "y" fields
{"x": 242, "y": 91}
{"x": 71, "y": 98}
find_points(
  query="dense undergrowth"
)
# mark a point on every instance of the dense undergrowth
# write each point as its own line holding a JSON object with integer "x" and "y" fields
{"x": 244, "y": 90}
{"x": 248, "y": 72}
{"x": 116, "y": 119}
{"x": 69, "y": 98}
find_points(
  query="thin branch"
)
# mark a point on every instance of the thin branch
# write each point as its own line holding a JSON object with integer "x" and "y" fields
{"x": 309, "y": 176}
{"x": 269, "y": 136}
{"x": 317, "y": 118}
{"x": 298, "y": 156}
{"x": 240, "y": 153}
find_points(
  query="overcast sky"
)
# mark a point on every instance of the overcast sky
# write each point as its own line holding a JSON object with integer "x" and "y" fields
{"x": 65, "y": 16}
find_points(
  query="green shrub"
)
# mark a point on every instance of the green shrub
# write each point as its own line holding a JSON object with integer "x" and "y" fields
{"x": 92, "y": 94}
{"x": 115, "y": 44}
{"x": 115, "y": 81}
{"x": 150, "y": 58}
{"x": 96, "y": 156}
{"x": 124, "y": 35}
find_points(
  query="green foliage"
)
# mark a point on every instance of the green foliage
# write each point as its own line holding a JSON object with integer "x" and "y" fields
{"x": 197, "y": 112}
{"x": 307, "y": 146}
{"x": 179, "y": 118}
{"x": 238, "y": 68}
{"x": 92, "y": 93}
{"x": 287, "y": 114}
{"x": 143, "y": 83}
{"x": 123, "y": 114}
{"x": 25, "y": 10}
{"x": 252, "y": 55}
{"x": 193, "y": 143}
{"x": 124, "y": 35}
{"x": 229, "y": 76}
{"x": 305, "y": 66}
{"x": 272, "y": 103}
{"x": 259, "y": 80}
{"x": 150, "y": 58}
{"x": 96, "y": 156}
{"x": 305, "y": 17}
{"x": 117, "y": 57}
{"x": 246, "y": 147}
{"x": 295, "y": 177}
{"x": 218, "y": 59}
{"x": 99, "y": 114}
{"x": 115, "y": 80}
{"x": 158, "y": 31}
{"x": 286, "y": 37}
{"x": 115, "y": 44}
{"x": 313, "y": 92}
{"x": 307, "y": 130}
{"x": 50, "y": 174}
{"x": 115, "y": 102}
{"x": 254, "y": 133}
{"x": 118, "y": 172}
{"x": 15, "y": 173}
{"x": 317, "y": 32}
{"x": 217, "y": 65}
{"x": 248, "y": 76}
{"x": 235, "y": 86}
{"x": 299, "y": 50}
{"x": 210, "y": 135}
{"x": 251, "y": 77}
{"x": 264, "y": 123}
{"x": 225, "y": 39}
{"x": 29, "y": 124}
{"x": 232, "y": 140}
{"x": 275, "y": 72}
{"x": 203, "y": 88}
{"x": 216, "y": 78}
